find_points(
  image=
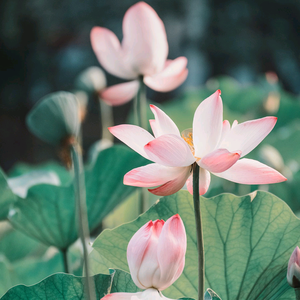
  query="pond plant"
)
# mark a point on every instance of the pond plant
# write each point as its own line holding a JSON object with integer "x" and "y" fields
{"x": 185, "y": 246}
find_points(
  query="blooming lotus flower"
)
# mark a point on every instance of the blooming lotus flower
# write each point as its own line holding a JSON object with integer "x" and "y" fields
{"x": 293, "y": 272}
{"x": 212, "y": 143}
{"x": 156, "y": 257}
{"x": 143, "y": 51}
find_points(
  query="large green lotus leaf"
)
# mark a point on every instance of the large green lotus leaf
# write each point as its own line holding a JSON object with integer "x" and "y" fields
{"x": 27, "y": 271}
{"x": 104, "y": 181}
{"x": 59, "y": 287}
{"x": 7, "y": 276}
{"x": 15, "y": 245}
{"x": 248, "y": 241}
{"x": 32, "y": 269}
{"x": 68, "y": 287}
{"x": 48, "y": 212}
{"x": 122, "y": 282}
{"x": 7, "y": 196}
{"x": 55, "y": 117}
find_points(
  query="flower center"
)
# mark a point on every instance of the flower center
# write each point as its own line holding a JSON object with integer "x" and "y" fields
{"x": 187, "y": 135}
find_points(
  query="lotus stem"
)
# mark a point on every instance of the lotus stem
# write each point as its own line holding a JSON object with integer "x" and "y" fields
{"x": 140, "y": 116}
{"x": 199, "y": 232}
{"x": 297, "y": 293}
{"x": 82, "y": 217}
{"x": 64, "y": 253}
{"x": 143, "y": 103}
{"x": 106, "y": 120}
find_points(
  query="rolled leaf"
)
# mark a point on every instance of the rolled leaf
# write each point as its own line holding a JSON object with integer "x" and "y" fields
{"x": 55, "y": 117}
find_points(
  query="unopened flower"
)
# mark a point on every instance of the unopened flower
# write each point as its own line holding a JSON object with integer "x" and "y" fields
{"x": 143, "y": 52}
{"x": 156, "y": 257}
{"x": 293, "y": 272}
{"x": 156, "y": 253}
{"x": 213, "y": 144}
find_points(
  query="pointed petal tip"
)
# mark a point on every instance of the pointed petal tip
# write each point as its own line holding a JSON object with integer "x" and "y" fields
{"x": 219, "y": 92}
{"x": 158, "y": 222}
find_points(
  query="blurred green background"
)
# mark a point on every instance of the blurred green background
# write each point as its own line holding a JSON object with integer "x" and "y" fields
{"x": 44, "y": 45}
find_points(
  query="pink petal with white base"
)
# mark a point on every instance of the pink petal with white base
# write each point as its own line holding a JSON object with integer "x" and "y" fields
{"x": 170, "y": 150}
{"x": 246, "y": 136}
{"x": 249, "y": 171}
{"x": 204, "y": 182}
{"x": 120, "y": 93}
{"x": 149, "y": 270}
{"x": 109, "y": 53}
{"x": 163, "y": 123}
{"x": 151, "y": 175}
{"x": 171, "y": 252}
{"x": 208, "y": 124}
{"x": 142, "y": 252}
{"x": 174, "y": 185}
{"x": 133, "y": 136}
{"x": 144, "y": 39}
{"x": 171, "y": 77}
{"x": 219, "y": 160}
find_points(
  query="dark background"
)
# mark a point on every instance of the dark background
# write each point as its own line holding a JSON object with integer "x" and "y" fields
{"x": 45, "y": 44}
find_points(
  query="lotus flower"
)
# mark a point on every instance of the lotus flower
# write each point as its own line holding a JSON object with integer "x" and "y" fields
{"x": 143, "y": 52}
{"x": 213, "y": 144}
{"x": 293, "y": 272}
{"x": 156, "y": 257}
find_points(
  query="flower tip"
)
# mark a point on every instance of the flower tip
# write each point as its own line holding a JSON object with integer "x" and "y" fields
{"x": 140, "y": 4}
{"x": 219, "y": 92}
{"x": 177, "y": 217}
{"x": 158, "y": 222}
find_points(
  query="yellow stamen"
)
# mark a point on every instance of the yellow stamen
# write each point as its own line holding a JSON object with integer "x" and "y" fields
{"x": 187, "y": 135}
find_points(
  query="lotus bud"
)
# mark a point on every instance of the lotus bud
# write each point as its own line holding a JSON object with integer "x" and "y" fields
{"x": 156, "y": 253}
{"x": 91, "y": 80}
{"x": 293, "y": 272}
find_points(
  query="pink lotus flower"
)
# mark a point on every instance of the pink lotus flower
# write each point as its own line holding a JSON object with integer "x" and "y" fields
{"x": 212, "y": 144}
{"x": 143, "y": 51}
{"x": 156, "y": 257}
{"x": 293, "y": 272}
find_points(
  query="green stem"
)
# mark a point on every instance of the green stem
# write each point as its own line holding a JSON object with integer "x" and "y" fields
{"x": 200, "y": 246}
{"x": 297, "y": 293}
{"x": 80, "y": 196}
{"x": 140, "y": 115}
{"x": 140, "y": 105}
{"x": 106, "y": 120}
{"x": 65, "y": 260}
{"x": 143, "y": 104}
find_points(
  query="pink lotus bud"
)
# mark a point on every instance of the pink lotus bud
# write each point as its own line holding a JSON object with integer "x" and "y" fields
{"x": 156, "y": 253}
{"x": 293, "y": 272}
